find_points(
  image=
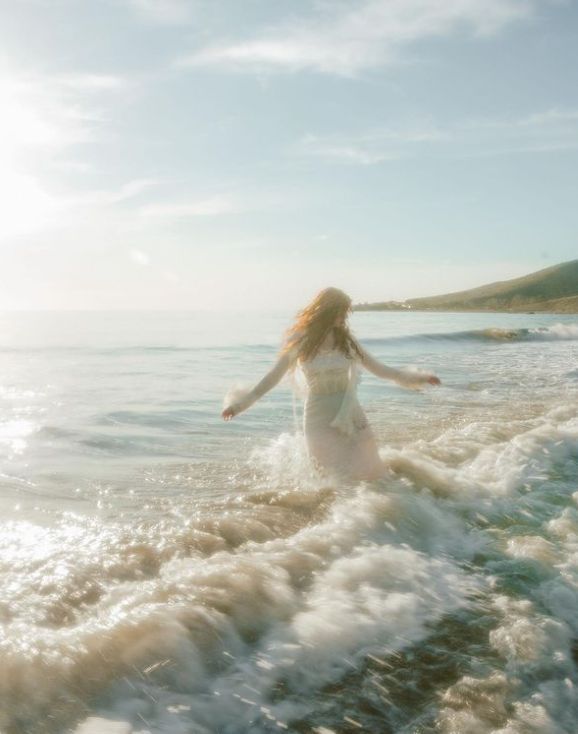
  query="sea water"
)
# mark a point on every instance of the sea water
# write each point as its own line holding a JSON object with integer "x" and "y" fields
{"x": 161, "y": 567}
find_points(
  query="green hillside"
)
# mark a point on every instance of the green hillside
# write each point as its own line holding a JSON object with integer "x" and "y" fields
{"x": 554, "y": 289}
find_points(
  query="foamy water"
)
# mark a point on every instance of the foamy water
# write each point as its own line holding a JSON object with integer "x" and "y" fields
{"x": 182, "y": 574}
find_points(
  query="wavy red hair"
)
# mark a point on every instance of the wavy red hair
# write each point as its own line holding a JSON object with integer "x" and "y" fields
{"x": 328, "y": 310}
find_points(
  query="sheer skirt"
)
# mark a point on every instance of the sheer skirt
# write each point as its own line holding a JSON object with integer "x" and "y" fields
{"x": 331, "y": 450}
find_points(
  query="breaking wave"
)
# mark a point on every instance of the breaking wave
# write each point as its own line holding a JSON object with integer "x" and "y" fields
{"x": 286, "y": 605}
{"x": 557, "y": 332}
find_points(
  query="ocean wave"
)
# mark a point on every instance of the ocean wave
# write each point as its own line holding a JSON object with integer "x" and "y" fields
{"x": 242, "y": 615}
{"x": 297, "y": 612}
{"x": 556, "y": 332}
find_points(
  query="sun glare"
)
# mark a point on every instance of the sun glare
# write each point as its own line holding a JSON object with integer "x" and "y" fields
{"x": 25, "y": 131}
{"x": 25, "y": 206}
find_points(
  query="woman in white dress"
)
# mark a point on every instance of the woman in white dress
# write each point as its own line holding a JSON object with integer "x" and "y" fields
{"x": 339, "y": 438}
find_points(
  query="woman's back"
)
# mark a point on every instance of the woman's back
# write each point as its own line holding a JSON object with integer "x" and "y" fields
{"x": 327, "y": 371}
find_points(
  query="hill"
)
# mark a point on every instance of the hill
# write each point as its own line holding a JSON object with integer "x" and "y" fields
{"x": 554, "y": 289}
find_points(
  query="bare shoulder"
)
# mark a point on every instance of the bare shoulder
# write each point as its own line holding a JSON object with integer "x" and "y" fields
{"x": 291, "y": 345}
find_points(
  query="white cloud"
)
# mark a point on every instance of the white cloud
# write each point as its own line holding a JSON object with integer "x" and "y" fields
{"x": 540, "y": 132}
{"x": 368, "y": 148}
{"x": 340, "y": 40}
{"x": 348, "y": 153}
{"x": 209, "y": 207}
{"x": 549, "y": 117}
{"x": 52, "y": 112}
{"x": 34, "y": 115}
{"x": 164, "y": 12}
{"x": 134, "y": 188}
{"x": 92, "y": 82}
{"x": 103, "y": 197}
{"x": 545, "y": 131}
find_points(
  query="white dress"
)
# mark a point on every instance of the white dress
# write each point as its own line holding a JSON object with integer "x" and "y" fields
{"x": 339, "y": 439}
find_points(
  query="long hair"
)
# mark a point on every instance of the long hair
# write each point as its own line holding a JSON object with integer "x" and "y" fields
{"x": 316, "y": 320}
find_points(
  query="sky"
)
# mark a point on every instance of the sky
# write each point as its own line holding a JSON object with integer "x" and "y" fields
{"x": 243, "y": 154}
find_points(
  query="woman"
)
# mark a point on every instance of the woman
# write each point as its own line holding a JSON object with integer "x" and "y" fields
{"x": 339, "y": 438}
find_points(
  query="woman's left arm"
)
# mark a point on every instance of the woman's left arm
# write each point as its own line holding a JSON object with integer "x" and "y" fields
{"x": 405, "y": 378}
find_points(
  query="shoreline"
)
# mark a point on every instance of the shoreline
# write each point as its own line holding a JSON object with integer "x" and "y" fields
{"x": 463, "y": 310}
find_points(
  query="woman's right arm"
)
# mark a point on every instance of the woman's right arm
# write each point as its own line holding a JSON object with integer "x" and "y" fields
{"x": 272, "y": 378}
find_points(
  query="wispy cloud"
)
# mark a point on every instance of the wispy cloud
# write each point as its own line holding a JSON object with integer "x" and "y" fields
{"x": 99, "y": 198}
{"x": 164, "y": 12}
{"x": 52, "y": 112}
{"x": 370, "y": 147}
{"x": 344, "y": 38}
{"x": 209, "y": 207}
{"x": 91, "y": 82}
{"x": 36, "y": 113}
{"x": 550, "y": 130}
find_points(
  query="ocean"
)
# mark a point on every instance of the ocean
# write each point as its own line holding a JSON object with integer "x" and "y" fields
{"x": 164, "y": 568}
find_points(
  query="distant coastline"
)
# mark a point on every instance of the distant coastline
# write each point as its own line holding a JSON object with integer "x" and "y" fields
{"x": 552, "y": 290}
{"x": 393, "y": 307}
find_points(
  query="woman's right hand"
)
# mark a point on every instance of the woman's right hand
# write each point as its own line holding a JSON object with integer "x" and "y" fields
{"x": 230, "y": 412}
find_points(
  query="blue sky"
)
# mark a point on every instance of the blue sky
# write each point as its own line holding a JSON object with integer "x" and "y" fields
{"x": 244, "y": 153}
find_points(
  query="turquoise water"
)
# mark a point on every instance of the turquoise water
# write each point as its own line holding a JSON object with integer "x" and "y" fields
{"x": 165, "y": 568}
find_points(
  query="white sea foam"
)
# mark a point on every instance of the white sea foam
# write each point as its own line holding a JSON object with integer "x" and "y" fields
{"x": 564, "y": 332}
{"x": 496, "y": 458}
{"x": 301, "y": 610}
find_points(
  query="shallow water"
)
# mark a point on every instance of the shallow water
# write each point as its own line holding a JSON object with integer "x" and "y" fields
{"x": 165, "y": 568}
